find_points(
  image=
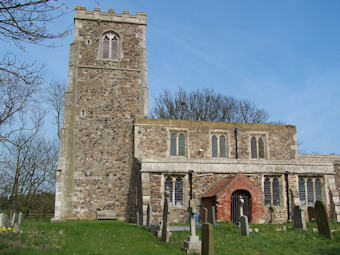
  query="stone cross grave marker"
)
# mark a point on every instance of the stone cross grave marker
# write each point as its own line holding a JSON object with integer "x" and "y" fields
{"x": 193, "y": 243}
{"x": 322, "y": 220}
{"x": 244, "y": 225}
{"x": 21, "y": 218}
{"x": 14, "y": 219}
{"x": 299, "y": 218}
{"x": 166, "y": 218}
{"x": 207, "y": 239}
{"x": 4, "y": 220}
{"x": 212, "y": 216}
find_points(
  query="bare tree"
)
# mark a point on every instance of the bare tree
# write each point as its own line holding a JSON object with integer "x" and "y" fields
{"x": 206, "y": 105}
{"x": 55, "y": 98}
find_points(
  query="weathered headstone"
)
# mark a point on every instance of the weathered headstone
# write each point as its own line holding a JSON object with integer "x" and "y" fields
{"x": 212, "y": 216}
{"x": 21, "y": 218}
{"x": 193, "y": 243}
{"x": 14, "y": 219}
{"x": 322, "y": 220}
{"x": 244, "y": 225}
{"x": 311, "y": 213}
{"x": 4, "y": 220}
{"x": 166, "y": 218}
{"x": 207, "y": 239}
{"x": 299, "y": 218}
{"x": 148, "y": 216}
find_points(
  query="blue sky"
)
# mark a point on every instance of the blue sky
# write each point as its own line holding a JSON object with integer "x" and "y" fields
{"x": 282, "y": 55}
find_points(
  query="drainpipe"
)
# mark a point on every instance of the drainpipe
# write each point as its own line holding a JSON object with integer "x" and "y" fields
{"x": 287, "y": 193}
{"x": 236, "y": 150}
{"x": 190, "y": 182}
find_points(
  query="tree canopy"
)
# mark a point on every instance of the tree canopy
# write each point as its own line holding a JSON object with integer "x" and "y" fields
{"x": 206, "y": 105}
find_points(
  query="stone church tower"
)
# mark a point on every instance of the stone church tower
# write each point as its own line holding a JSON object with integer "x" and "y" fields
{"x": 107, "y": 90}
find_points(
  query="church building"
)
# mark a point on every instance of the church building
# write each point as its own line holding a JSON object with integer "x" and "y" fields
{"x": 115, "y": 163}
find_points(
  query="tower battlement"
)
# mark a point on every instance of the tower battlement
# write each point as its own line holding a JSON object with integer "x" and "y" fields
{"x": 110, "y": 15}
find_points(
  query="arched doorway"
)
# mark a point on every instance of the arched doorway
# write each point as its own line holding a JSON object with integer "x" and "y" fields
{"x": 235, "y": 205}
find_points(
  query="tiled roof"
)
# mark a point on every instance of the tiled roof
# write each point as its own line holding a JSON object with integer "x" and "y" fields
{"x": 217, "y": 188}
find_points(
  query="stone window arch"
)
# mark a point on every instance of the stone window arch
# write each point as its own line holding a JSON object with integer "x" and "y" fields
{"x": 178, "y": 143}
{"x": 175, "y": 186}
{"x": 271, "y": 190}
{"x": 219, "y": 145}
{"x": 276, "y": 191}
{"x": 261, "y": 148}
{"x": 214, "y": 146}
{"x": 302, "y": 191}
{"x": 318, "y": 190}
{"x": 223, "y": 152}
{"x": 168, "y": 184}
{"x": 253, "y": 147}
{"x": 257, "y": 147}
{"x": 110, "y": 45}
{"x": 267, "y": 191}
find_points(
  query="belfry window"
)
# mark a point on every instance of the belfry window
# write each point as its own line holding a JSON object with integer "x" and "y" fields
{"x": 110, "y": 45}
{"x": 310, "y": 190}
{"x": 271, "y": 191}
{"x": 177, "y": 144}
{"x": 257, "y": 147}
{"x": 175, "y": 187}
{"x": 218, "y": 146}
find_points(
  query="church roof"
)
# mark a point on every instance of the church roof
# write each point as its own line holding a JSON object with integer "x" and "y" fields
{"x": 217, "y": 188}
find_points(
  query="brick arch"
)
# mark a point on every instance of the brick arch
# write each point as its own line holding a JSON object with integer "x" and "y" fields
{"x": 223, "y": 198}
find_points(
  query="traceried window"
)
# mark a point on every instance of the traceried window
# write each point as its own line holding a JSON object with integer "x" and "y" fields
{"x": 257, "y": 147}
{"x": 310, "y": 190}
{"x": 271, "y": 191}
{"x": 218, "y": 146}
{"x": 110, "y": 45}
{"x": 175, "y": 186}
{"x": 177, "y": 144}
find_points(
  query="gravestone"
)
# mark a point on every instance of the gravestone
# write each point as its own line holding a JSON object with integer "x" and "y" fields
{"x": 193, "y": 243}
{"x": 311, "y": 213}
{"x": 4, "y": 220}
{"x": 21, "y": 218}
{"x": 241, "y": 202}
{"x": 14, "y": 219}
{"x": 207, "y": 239}
{"x": 244, "y": 225}
{"x": 322, "y": 220}
{"x": 166, "y": 218}
{"x": 212, "y": 216}
{"x": 148, "y": 216}
{"x": 299, "y": 218}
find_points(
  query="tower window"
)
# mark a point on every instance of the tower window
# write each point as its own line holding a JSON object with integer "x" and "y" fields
{"x": 110, "y": 45}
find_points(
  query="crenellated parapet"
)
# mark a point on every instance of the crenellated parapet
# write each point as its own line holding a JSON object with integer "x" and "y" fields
{"x": 110, "y": 15}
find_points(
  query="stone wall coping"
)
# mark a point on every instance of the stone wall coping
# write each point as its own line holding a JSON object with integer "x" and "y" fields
{"x": 210, "y": 124}
{"x": 235, "y": 166}
{"x": 96, "y": 14}
{"x": 334, "y": 158}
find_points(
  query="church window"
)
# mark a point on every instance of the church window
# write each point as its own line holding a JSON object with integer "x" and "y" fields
{"x": 110, "y": 45}
{"x": 175, "y": 187}
{"x": 271, "y": 191}
{"x": 302, "y": 191}
{"x": 257, "y": 147}
{"x": 310, "y": 190}
{"x": 177, "y": 144}
{"x": 267, "y": 191}
{"x": 218, "y": 146}
{"x": 253, "y": 147}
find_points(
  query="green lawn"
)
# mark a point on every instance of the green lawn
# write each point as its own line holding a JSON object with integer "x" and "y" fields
{"x": 114, "y": 237}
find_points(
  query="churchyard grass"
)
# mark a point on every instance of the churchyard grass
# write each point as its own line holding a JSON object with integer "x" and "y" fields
{"x": 113, "y": 237}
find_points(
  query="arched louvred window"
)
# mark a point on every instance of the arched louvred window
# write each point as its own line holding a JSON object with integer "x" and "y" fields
{"x": 310, "y": 192}
{"x": 110, "y": 45}
{"x": 181, "y": 145}
{"x": 168, "y": 184}
{"x": 223, "y": 152}
{"x": 179, "y": 191}
{"x": 318, "y": 191}
{"x": 261, "y": 148}
{"x": 173, "y": 144}
{"x": 214, "y": 146}
{"x": 266, "y": 191}
{"x": 253, "y": 148}
{"x": 302, "y": 191}
{"x": 276, "y": 192}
